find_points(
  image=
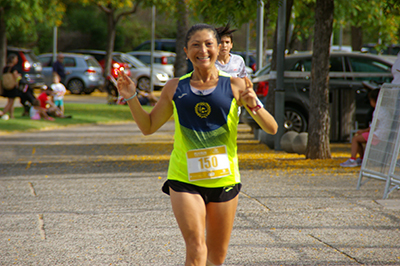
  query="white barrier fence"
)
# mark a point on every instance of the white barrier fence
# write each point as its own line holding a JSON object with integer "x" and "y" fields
{"x": 381, "y": 158}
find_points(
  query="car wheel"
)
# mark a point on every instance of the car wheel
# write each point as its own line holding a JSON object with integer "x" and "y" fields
{"x": 75, "y": 86}
{"x": 144, "y": 84}
{"x": 88, "y": 90}
{"x": 294, "y": 120}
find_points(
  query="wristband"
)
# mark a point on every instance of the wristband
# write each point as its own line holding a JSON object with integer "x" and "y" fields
{"x": 255, "y": 108}
{"x": 130, "y": 98}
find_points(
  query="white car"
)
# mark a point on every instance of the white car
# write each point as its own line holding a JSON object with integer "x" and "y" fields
{"x": 141, "y": 73}
{"x": 162, "y": 60}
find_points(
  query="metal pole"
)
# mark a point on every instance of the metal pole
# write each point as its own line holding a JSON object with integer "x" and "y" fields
{"x": 54, "y": 43}
{"x": 260, "y": 34}
{"x": 247, "y": 59}
{"x": 153, "y": 30}
{"x": 280, "y": 68}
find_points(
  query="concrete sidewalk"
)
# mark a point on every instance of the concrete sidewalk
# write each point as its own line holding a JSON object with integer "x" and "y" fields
{"x": 91, "y": 195}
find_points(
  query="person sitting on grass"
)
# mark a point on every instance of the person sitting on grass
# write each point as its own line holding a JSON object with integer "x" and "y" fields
{"x": 361, "y": 136}
{"x": 36, "y": 112}
{"x": 46, "y": 102}
{"x": 147, "y": 98}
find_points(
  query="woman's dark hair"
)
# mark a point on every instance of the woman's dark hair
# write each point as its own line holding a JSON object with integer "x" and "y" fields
{"x": 226, "y": 31}
{"x": 198, "y": 27}
{"x": 10, "y": 58}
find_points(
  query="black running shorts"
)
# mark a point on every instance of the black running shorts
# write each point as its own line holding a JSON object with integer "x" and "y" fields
{"x": 220, "y": 194}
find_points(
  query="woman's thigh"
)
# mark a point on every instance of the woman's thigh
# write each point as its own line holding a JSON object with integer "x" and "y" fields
{"x": 190, "y": 212}
{"x": 220, "y": 218}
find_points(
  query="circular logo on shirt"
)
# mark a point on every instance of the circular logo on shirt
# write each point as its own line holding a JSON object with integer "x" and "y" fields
{"x": 202, "y": 109}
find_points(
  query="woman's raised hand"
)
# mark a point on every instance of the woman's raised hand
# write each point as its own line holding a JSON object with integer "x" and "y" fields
{"x": 126, "y": 87}
{"x": 248, "y": 95}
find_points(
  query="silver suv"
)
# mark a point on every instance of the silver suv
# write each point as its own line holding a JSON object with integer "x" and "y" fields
{"x": 84, "y": 73}
{"x": 347, "y": 72}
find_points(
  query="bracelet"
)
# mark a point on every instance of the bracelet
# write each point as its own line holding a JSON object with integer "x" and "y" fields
{"x": 255, "y": 108}
{"x": 130, "y": 98}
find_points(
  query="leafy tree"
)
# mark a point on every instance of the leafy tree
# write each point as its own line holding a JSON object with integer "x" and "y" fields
{"x": 19, "y": 19}
{"x": 114, "y": 10}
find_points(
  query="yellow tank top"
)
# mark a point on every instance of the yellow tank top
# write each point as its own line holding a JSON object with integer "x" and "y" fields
{"x": 205, "y": 146}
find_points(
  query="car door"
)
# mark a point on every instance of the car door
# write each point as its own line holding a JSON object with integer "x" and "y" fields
{"x": 70, "y": 66}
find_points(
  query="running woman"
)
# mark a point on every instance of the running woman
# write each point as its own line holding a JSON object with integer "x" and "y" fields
{"x": 203, "y": 176}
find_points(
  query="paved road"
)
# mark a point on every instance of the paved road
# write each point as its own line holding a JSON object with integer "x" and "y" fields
{"x": 91, "y": 195}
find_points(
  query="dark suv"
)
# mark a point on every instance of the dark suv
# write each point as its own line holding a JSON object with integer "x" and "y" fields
{"x": 29, "y": 67}
{"x": 347, "y": 73}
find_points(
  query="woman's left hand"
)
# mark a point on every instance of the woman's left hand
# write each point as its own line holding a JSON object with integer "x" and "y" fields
{"x": 126, "y": 87}
{"x": 248, "y": 95}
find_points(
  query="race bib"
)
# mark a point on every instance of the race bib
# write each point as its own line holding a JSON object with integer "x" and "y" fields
{"x": 208, "y": 163}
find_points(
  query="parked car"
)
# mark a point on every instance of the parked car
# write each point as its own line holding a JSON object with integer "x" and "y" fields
{"x": 168, "y": 45}
{"x": 347, "y": 72}
{"x": 29, "y": 67}
{"x": 84, "y": 73}
{"x": 141, "y": 73}
{"x": 117, "y": 63}
{"x": 372, "y": 48}
{"x": 162, "y": 60}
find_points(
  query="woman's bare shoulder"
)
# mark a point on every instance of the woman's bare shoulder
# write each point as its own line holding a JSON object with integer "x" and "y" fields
{"x": 170, "y": 88}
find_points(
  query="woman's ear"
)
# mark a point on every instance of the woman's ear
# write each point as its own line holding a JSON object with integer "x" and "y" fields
{"x": 184, "y": 49}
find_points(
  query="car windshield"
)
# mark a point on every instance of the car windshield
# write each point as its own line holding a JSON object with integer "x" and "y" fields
{"x": 45, "y": 60}
{"x": 264, "y": 70}
{"x": 134, "y": 61}
{"x": 91, "y": 62}
{"x": 118, "y": 58}
{"x": 33, "y": 56}
{"x": 368, "y": 65}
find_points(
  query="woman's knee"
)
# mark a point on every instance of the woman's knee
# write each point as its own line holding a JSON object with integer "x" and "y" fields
{"x": 196, "y": 251}
{"x": 216, "y": 257}
{"x": 196, "y": 245}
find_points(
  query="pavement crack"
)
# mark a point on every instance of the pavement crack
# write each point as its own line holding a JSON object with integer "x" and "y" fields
{"x": 41, "y": 226}
{"x": 256, "y": 200}
{"x": 338, "y": 250}
{"x": 32, "y": 189}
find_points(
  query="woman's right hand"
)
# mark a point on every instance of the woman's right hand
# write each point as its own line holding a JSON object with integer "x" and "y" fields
{"x": 126, "y": 87}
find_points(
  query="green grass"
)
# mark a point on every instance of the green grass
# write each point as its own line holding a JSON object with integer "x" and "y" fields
{"x": 81, "y": 114}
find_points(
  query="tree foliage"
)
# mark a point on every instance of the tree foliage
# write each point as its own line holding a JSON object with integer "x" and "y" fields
{"x": 19, "y": 21}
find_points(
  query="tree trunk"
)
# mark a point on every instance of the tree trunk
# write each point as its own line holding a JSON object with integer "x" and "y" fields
{"x": 319, "y": 120}
{"x": 3, "y": 40}
{"x": 356, "y": 38}
{"x": 180, "y": 65}
{"x": 110, "y": 42}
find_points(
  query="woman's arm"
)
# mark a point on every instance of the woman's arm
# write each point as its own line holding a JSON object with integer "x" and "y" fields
{"x": 243, "y": 91}
{"x": 148, "y": 123}
{"x": 16, "y": 75}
